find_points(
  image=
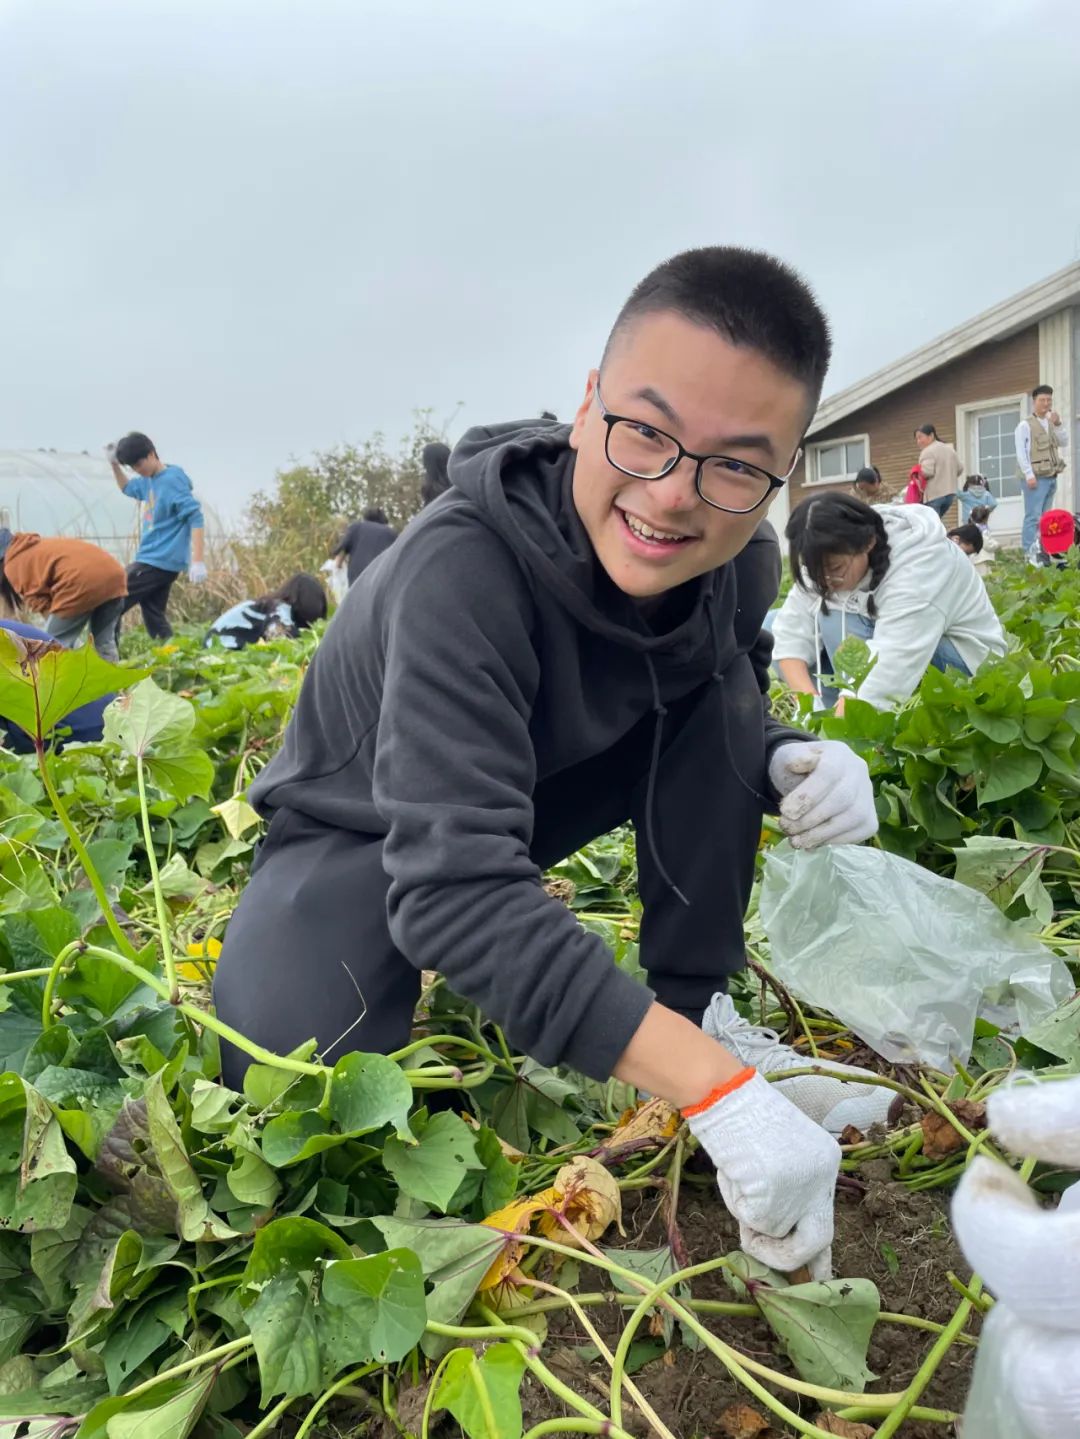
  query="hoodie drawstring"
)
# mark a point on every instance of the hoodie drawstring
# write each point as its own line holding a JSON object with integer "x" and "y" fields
{"x": 650, "y": 791}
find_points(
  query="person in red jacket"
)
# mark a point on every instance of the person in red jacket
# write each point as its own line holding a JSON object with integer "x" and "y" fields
{"x": 73, "y": 583}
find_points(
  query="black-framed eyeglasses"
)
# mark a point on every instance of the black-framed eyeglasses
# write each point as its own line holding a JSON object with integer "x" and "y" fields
{"x": 646, "y": 453}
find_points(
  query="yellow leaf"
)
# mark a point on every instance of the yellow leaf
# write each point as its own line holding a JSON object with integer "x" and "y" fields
{"x": 514, "y": 1218}
{"x": 236, "y": 815}
{"x": 655, "y": 1121}
{"x": 587, "y": 1196}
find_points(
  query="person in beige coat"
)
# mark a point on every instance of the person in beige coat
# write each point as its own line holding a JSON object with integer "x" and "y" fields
{"x": 941, "y": 465}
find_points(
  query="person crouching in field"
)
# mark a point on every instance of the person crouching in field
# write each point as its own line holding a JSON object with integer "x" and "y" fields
{"x": 73, "y": 584}
{"x": 889, "y": 575}
{"x": 282, "y": 614}
{"x": 567, "y": 638}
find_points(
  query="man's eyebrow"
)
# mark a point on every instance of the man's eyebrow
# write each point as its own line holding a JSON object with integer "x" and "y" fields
{"x": 729, "y": 442}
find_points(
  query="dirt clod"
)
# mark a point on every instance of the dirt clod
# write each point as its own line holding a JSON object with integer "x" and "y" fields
{"x": 844, "y": 1427}
{"x": 940, "y": 1138}
{"x": 740, "y": 1421}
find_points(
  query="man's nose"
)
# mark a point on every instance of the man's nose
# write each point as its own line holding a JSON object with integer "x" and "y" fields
{"x": 677, "y": 490}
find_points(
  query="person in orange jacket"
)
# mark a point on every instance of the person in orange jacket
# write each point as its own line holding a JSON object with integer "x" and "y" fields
{"x": 73, "y": 583}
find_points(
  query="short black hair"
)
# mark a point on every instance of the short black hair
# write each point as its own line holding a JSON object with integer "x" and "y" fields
{"x": 868, "y": 475}
{"x": 133, "y": 448}
{"x": 968, "y": 535}
{"x": 751, "y": 298}
{"x": 927, "y": 430}
{"x": 835, "y": 524}
{"x": 1042, "y": 390}
{"x": 375, "y": 516}
{"x": 435, "y": 459}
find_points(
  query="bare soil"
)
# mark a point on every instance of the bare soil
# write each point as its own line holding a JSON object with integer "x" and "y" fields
{"x": 902, "y": 1241}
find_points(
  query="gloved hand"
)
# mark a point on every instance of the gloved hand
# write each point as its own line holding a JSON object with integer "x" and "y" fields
{"x": 196, "y": 572}
{"x": 776, "y": 1170}
{"x": 1027, "y": 1376}
{"x": 827, "y": 794}
{"x": 110, "y": 452}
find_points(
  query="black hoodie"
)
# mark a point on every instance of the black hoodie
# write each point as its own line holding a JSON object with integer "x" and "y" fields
{"x": 485, "y": 651}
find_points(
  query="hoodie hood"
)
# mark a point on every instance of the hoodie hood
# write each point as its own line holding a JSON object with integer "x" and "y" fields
{"x": 520, "y": 476}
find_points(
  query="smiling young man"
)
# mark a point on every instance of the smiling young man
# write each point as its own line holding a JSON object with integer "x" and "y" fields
{"x": 568, "y": 639}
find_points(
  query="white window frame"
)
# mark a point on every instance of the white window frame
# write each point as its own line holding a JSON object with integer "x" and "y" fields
{"x": 813, "y": 449}
{"x": 966, "y": 415}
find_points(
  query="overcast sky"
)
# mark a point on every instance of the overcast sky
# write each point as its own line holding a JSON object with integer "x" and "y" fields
{"x": 257, "y": 229}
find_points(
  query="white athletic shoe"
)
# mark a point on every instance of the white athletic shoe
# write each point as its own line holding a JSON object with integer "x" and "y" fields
{"x": 832, "y": 1103}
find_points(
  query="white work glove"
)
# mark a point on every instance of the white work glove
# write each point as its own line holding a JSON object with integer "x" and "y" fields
{"x": 110, "y": 452}
{"x": 777, "y": 1175}
{"x": 1027, "y": 1376}
{"x": 196, "y": 572}
{"x": 827, "y": 797}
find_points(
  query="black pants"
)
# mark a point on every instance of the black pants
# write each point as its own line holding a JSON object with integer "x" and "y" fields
{"x": 308, "y": 952}
{"x": 149, "y": 587}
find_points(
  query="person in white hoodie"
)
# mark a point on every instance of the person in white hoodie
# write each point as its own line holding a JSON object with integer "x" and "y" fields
{"x": 890, "y": 575}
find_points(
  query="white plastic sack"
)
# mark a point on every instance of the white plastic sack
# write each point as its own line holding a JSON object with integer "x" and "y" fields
{"x": 903, "y": 957}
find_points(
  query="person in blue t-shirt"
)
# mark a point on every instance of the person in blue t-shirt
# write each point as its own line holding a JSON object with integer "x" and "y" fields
{"x": 85, "y": 724}
{"x": 172, "y": 528}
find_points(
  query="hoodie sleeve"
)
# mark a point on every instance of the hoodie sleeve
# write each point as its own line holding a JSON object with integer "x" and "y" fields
{"x": 453, "y": 780}
{"x": 793, "y": 629}
{"x": 906, "y": 634}
{"x": 759, "y": 569}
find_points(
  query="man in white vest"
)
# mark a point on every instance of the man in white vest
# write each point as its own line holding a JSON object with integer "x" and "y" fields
{"x": 1040, "y": 440}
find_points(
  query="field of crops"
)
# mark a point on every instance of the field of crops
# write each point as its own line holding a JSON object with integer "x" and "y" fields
{"x": 452, "y": 1239}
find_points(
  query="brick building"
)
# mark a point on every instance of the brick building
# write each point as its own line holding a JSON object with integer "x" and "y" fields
{"x": 974, "y": 385}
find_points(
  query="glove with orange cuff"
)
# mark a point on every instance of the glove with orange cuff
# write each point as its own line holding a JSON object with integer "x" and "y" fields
{"x": 776, "y": 1170}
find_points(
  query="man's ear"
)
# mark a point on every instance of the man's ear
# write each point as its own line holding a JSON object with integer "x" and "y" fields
{"x": 578, "y": 427}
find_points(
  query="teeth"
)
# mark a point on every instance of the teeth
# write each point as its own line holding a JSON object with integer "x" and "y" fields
{"x": 646, "y": 532}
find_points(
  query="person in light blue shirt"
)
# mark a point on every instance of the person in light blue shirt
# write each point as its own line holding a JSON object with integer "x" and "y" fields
{"x": 172, "y": 528}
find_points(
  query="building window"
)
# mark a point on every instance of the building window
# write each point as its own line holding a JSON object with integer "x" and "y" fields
{"x": 837, "y": 462}
{"x": 993, "y": 449}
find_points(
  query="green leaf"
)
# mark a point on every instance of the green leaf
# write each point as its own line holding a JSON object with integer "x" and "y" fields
{"x": 184, "y": 776}
{"x": 96, "y": 1300}
{"x": 290, "y": 1244}
{"x": 168, "y": 1411}
{"x": 432, "y": 1169}
{"x": 148, "y": 719}
{"x": 64, "y": 680}
{"x": 196, "y": 1221}
{"x": 1005, "y": 870}
{"x": 252, "y": 1181}
{"x": 282, "y": 1325}
{"x": 482, "y": 1392}
{"x": 1059, "y": 1032}
{"x": 368, "y": 1091}
{"x": 454, "y": 1258}
{"x": 128, "y": 1346}
{"x": 371, "y": 1308}
{"x": 50, "y": 1251}
{"x": 500, "y": 1176}
{"x": 1011, "y": 771}
{"x": 41, "y": 1194}
{"x": 824, "y": 1328}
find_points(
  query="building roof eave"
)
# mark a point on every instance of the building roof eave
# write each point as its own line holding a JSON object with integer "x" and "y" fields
{"x": 996, "y": 323}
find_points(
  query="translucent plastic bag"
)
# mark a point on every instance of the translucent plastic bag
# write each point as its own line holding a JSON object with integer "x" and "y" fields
{"x": 905, "y": 958}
